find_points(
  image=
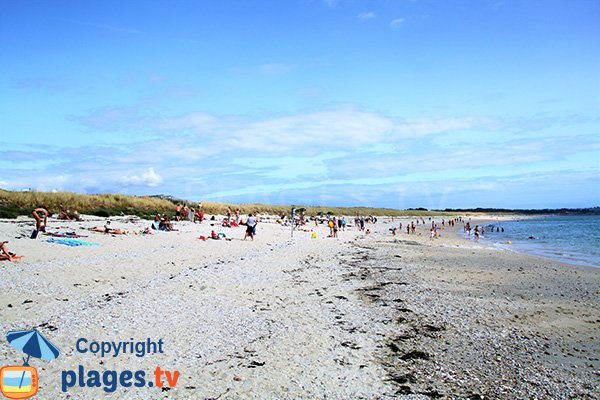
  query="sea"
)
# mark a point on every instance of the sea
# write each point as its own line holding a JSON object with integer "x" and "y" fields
{"x": 570, "y": 239}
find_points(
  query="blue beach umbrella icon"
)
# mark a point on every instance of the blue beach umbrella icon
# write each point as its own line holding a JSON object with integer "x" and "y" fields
{"x": 34, "y": 344}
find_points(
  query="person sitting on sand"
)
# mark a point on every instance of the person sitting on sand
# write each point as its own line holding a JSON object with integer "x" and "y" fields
{"x": 66, "y": 214}
{"x": 5, "y": 254}
{"x": 166, "y": 224}
{"x": 39, "y": 225}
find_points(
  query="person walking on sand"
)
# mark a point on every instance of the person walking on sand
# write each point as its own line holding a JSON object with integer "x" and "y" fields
{"x": 250, "y": 225}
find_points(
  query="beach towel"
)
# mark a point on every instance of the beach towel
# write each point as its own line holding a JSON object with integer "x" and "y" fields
{"x": 72, "y": 242}
{"x": 14, "y": 256}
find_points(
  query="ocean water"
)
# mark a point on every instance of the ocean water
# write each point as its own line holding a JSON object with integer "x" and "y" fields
{"x": 570, "y": 239}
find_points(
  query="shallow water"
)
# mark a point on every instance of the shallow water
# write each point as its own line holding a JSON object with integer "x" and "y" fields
{"x": 570, "y": 239}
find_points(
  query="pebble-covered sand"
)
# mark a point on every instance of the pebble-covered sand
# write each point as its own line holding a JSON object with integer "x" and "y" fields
{"x": 360, "y": 317}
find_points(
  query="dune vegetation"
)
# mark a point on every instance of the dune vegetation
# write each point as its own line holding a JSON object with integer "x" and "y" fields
{"x": 13, "y": 204}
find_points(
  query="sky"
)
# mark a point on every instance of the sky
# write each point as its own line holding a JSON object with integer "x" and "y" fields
{"x": 383, "y": 103}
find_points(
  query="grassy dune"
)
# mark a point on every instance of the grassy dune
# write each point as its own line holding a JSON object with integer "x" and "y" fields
{"x": 13, "y": 204}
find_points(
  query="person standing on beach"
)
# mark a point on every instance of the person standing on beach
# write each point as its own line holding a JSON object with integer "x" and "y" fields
{"x": 335, "y": 228}
{"x": 250, "y": 224}
{"x": 256, "y": 220}
{"x": 476, "y": 232}
{"x": 178, "y": 212}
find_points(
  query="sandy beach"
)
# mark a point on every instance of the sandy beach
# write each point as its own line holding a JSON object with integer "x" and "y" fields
{"x": 359, "y": 317}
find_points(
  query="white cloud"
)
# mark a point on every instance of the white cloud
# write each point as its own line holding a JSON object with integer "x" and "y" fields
{"x": 330, "y": 3}
{"x": 312, "y": 132}
{"x": 397, "y": 23}
{"x": 366, "y": 15}
{"x": 148, "y": 178}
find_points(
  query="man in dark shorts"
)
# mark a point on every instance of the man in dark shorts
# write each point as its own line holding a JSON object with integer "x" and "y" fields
{"x": 250, "y": 224}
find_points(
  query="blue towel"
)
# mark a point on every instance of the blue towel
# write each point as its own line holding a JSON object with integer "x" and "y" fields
{"x": 72, "y": 242}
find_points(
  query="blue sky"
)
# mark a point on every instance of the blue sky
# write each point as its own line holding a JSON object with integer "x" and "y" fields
{"x": 391, "y": 103}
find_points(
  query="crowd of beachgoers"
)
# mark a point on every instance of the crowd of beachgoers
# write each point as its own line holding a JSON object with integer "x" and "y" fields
{"x": 235, "y": 219}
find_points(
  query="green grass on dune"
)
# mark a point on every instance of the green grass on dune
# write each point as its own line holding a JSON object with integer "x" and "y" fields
{"x": 13, "y": 204}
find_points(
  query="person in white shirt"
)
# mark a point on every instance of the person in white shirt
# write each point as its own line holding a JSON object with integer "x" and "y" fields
{"x": 250, "y": 224}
